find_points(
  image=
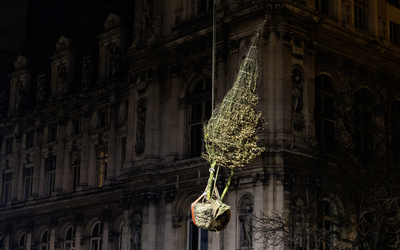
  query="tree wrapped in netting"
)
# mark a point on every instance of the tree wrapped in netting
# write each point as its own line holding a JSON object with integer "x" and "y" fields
{"x": 230, "y": 138}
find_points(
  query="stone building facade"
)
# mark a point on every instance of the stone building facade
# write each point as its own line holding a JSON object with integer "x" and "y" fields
{"x": 102, "y": 148}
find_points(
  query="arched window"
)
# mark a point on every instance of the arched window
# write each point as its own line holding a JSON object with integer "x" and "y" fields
{"x": 96, "y": 237}
{"x": 44, "y": 243}
{"x": 197, "y": 238}
{"x": 324, "y": 114}
{"x": 363, "y": 124}
{"x": 199, "y": 101}
{"x": 325, "y": 225}
{"x": 245, "y": 214}
{"x": 69, "y": 238}
{"x": 22, "y": 242}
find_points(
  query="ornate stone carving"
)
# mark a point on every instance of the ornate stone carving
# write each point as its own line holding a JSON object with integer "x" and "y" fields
{"x": 63, "y": 43}
{"x": 297, "y": 91}
{"x": 298, "y": 121}
{"x": 136, "y": 226}
{"x": 53, "y": 222}
{"x": 87, "y": 76}
{"x": 79, "y": 218}
{"x": 140, "y": 127}
{"x": 63, "y": 80}
{"x": 21, "y": 98}
{"x": 20, "y": 63}
{"x": 169, "y": 195}
{"x": 112, "y": 21}
{"x": 41, "y": 90}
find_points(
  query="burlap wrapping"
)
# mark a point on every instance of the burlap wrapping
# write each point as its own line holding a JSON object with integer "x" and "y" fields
{"x": 212, "y": 215}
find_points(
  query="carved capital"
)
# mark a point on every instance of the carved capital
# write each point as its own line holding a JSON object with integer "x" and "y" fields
{"x": 53, "y": 222}
{"x": 169, "y": 195}
{"x": 79, "y": 218}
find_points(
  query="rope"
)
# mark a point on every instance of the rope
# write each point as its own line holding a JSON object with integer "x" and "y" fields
{"x": 213, "y": 53}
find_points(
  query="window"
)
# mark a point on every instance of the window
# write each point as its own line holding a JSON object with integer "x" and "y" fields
{"x": 69, "y": 239}
{"x": 44, "y": 244}
{"x": 96, "y": 239}
{"x": 102, "y": 154}
{"x": 50, "y": 174}
{"x": 394, "y": 33}
{"x": 200, "y": 111}
{"x": 324, "y": 114}
{"x": 361, "y": 14}
{"x": 76, "y": 169}
{"x": 363, "y": 124}
{"x": 103, "y": 118}
{"x": 28, "y": 182}
{"x": 77, "y": 126}
{"x": 7, "y": 181}
{"x": 53, "y": 133}
{"x": 30, "y": 139}
{"x": 198, "y": 238}
{"x": 204, "y": 6}
{"x": 245, "y": 219}
{"x": 322, "y": 6}
{"x": 394, "y": 2}
{"x": 22, "y": 242}
{"x": 9, "y": 146}
{"x": 325, "y": 225}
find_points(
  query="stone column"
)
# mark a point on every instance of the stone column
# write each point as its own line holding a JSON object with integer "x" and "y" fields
{"x": 60, "y": 156}
{"x": 85, "y": 156}
{"x": 16, "y": 168}
{"x": 106, "y": 225}
{"x": 29, "y": 228}
{"x": 168, "y": 236}
{"x": 7, "y": 242}
{"x": 149, "y": 228}
{"x": 38, "y": 160}
{"x": 131, "y": 133}
{"x": 125, "y": 223}
{"x": 174, "y": 113}
{"x": 112, "y": 144}
{"x": 53, "y": 225}
{"x": 78, "y": 231}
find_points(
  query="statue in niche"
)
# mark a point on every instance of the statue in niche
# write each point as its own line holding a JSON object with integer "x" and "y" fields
{"x": 87, "y": 72}
{"x": 21, "y": 97}
{"x": 136, "y": 235}
{"x": 41, "y": 90}
{"x": 246, "y": 221}
{"x": 140, "y": 129}
{"x": 114, "y": 62}
{"x": 297, "y": 91}
{"x": 62, "y": 80}
{"x": 148, "y": 22}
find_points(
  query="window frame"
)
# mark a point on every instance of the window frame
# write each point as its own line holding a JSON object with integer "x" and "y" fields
{"x": 9, "y": 146}
{"x": 50, "y": 175}
{"x": 394, "y": 33}
{"x": 28, "y": 181}
{"x": 201, "y": 233}
{"x": 30, "y": 139}
{"x": 23, "y": 245}
{"x": 96, "y": 238}
{"x": 359, "y": 22}
{"x": 322, "y": 221}
{"x": 69, "y": 241}
{"x": 7, "y": 181}
{"x": 202, "y": 98}
{"x": 45, "y": 245}
{"x": 321, "y": 117}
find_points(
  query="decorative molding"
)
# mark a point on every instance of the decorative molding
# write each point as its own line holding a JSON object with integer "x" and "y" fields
{"x": 63, "y": 43}
{"x": 112, "y": 21}
{"x": 20, "y": 63}
{"x": 169, "y": 195}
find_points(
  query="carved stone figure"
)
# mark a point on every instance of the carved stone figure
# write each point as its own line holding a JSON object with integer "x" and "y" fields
{"x": 87, "y": 72}
{"x": 115, "y": 59}
{"x": 297, "y": 90}
{"x": 63, "y": 76}
{"x": 136, "y": 235}
{"x": 140, "y": 129}
{"x": 41, "y": 90}
{"x": 246, "y": 221}
{"x": 21, "y": 97}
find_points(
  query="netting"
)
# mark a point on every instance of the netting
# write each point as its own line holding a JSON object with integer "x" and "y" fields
{"x": 230, "y": 136}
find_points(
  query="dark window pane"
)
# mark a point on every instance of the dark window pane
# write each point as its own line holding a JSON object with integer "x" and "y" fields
{"x": 197, "y": 111}
{"x": 329, "y": 108}
{"x": 318, "y": 108}
{"x": 195, "y": 140}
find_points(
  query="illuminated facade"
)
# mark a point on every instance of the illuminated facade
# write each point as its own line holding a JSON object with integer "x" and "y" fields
{"x": 101, "y": 148}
